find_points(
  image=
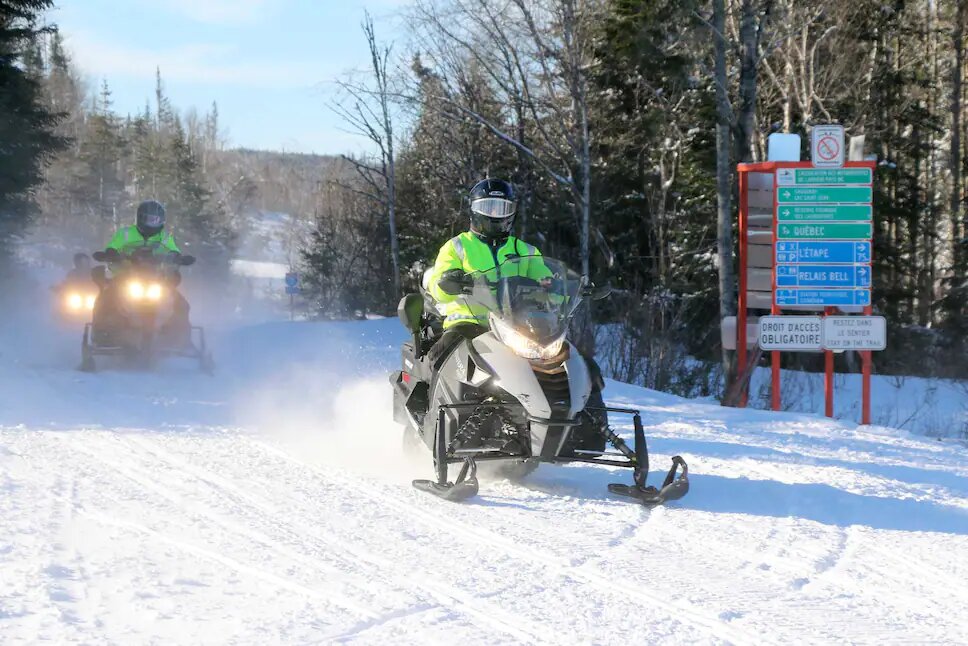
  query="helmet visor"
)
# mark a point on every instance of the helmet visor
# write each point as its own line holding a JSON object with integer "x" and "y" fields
{"x": 494, "y": 207}
{"x": 153, "y": 220}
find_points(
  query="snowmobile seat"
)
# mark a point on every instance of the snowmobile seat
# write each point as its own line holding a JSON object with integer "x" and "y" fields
{"x": 410, "y": 311}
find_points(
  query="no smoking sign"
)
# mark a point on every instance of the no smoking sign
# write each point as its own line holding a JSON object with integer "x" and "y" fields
{"x": 827, "y": 149}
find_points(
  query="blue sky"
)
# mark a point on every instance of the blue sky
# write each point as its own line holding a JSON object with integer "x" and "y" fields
{"x": 268, "y": 63}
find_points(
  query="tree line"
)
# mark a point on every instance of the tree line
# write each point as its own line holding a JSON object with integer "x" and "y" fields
{"x": 622, "y": 121}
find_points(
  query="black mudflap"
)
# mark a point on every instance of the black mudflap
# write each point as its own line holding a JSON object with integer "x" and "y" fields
{"x": 672, "y": 488}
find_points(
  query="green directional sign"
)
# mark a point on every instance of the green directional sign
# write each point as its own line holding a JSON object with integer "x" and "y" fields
{"x": 801, "y": 176}
{"x": 824, "y": 194}
{"x": 825, "y": 231}
{"x": 823, "y": 212}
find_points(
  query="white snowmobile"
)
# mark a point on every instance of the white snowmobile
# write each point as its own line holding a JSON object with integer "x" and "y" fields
{"x": 520, "y": 392}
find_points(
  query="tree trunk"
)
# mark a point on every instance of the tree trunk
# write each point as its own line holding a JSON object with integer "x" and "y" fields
{"x": 957, "y": 45}
{"x": 724, "y": 219}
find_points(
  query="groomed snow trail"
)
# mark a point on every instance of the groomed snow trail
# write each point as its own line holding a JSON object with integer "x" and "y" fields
{"x": 271, "y": 504}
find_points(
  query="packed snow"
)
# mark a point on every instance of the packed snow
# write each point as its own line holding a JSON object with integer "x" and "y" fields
{"x": 271, "y": 504}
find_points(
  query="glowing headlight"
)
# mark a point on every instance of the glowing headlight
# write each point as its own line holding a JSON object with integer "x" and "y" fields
{"x": 74, "y": 301}
{"x": 89, "y": 301}
{"x": 136, "y": 290}
{"x": 153, "y": 292}
{"x": 522, "y": 345}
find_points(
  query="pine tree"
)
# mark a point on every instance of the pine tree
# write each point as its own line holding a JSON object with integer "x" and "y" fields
{"x": 27, "y": 137}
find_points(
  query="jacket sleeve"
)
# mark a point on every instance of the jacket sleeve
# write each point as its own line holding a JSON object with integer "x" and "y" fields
{"x": 537, "y": 269}
{"x": 169, "y": 243}
{"x": 447, "y": 259}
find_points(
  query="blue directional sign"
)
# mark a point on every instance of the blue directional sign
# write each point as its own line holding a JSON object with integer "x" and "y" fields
{"x": 834, "y": 252}
{"x": 823, "y": 276}
{"x": 823, "y": 297}
{"x": 292, "y": 283}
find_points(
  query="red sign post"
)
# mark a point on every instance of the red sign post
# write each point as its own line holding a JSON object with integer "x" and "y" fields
{"x": 805, "y": 244}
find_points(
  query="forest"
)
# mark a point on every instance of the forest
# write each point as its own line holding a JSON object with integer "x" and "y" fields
{"x": 620, "y": 122}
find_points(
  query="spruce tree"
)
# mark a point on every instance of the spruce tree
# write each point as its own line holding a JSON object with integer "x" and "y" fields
{"x": 27, "y": 138}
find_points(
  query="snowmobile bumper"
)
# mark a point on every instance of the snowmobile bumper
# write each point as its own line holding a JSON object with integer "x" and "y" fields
{"x": 197, "y": 350}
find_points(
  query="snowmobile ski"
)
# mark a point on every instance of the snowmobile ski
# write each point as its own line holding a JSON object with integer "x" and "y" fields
{"x": 463, "y": 488}
{"x": 672, "y": 488}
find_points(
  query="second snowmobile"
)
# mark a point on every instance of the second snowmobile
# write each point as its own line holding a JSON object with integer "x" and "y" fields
{"x": 139, "y": 322}
{"x": 520, "y": 392}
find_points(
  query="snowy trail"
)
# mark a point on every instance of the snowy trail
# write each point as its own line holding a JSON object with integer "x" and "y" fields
{"x": 174, "y": 508}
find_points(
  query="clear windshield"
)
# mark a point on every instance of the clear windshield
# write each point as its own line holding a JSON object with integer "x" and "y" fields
{"x": 535, "y": 295}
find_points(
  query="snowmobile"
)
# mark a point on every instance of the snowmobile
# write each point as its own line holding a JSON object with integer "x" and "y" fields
{"x": 140, "y": 326}
{"x": 74, "y": 296}
{"x": 520, "y": 393}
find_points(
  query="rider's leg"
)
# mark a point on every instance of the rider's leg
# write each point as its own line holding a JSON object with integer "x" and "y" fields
{"x": 451, "y": 337}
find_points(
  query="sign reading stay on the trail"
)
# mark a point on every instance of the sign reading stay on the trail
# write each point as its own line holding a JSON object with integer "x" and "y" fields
{"x": 827, "y": 146}
{"x": 808, "y": 176}
{"x": 854, "y": 333}
{"x": 791, "y": 333}
{"x": 825, "y": 231}
{"x": 825, "y": 194}
{"x": 820, "y": 212}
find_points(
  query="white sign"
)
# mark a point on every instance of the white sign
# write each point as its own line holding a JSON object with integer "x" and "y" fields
{"x": 827, "y": 146}
{"x": 854, "y": 333}
{"x": 791, "y": 333}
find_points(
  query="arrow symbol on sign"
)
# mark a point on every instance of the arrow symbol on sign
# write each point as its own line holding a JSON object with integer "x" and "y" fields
{"x": 786, "y": 193}
{"x": 785, "y": 212}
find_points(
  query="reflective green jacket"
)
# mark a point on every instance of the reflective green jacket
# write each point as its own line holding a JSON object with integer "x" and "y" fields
{"x": 468, "y": 252}
{"x": 129, "y": 239}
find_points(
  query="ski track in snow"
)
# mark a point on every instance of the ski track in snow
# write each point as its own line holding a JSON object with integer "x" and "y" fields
{"x": 252, "y": 508}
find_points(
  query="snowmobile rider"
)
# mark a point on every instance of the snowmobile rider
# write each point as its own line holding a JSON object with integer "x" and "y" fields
{"x": 81, "y": 272}
{"x": 486, "y": 245}
{"x": 148, "y": 232}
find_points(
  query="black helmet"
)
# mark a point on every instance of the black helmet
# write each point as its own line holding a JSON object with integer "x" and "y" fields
{"x": 493, "y": 206}
{"x": 151, "y": 218}
{"x": 82, "y": 261}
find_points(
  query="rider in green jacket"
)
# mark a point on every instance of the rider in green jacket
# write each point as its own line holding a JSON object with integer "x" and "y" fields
{"x": 483, "y": 248}
{"x": 147, "y": 233}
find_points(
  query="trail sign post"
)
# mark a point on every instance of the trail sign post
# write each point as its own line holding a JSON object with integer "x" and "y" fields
{"x": 292, "y": 288}
{"x": 819, "y": 240}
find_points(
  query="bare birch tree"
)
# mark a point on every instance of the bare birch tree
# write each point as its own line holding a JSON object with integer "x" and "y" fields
{"x": 366, "y": 108}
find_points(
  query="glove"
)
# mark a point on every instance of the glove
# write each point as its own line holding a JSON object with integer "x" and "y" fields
{"x": 454, "y": 282}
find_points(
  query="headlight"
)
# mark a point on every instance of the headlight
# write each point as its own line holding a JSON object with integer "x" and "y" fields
{"x": 89, "y": 301}
{"x": 74, "y": 301}
{"x": 522, "y": 345}
{"x": 153, "y": 292}
{"x": 136, "y": 290}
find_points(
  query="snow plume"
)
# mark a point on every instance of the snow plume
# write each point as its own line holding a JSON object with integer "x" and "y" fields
{"x": 324, "y": 418}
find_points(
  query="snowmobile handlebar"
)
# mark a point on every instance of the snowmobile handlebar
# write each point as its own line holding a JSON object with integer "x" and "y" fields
{"x": 144, "y": 257}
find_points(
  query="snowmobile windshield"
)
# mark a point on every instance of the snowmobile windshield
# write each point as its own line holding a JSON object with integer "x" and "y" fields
{"x": 528, "y": 296}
